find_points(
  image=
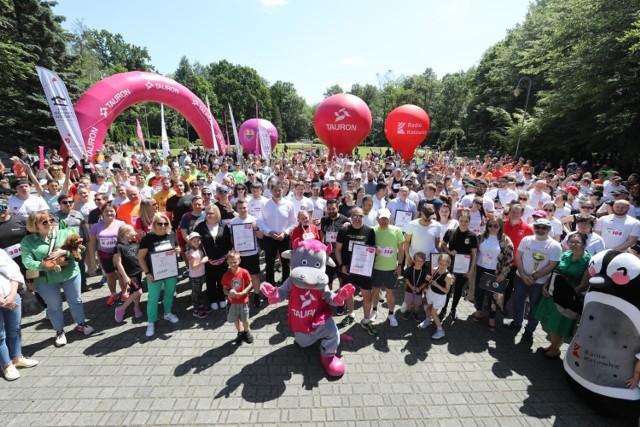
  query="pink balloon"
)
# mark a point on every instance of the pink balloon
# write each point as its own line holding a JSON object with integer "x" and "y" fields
{"x": 406, "y": 127}
{"x": 342, "y": 122}
{"x": 248, "y": 134}
{"x": 98, "y": 107}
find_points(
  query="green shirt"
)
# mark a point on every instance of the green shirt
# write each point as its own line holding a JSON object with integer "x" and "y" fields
{"x": 389, "y": 240}
{"x": 35, "y": 249}
{"x": 574, "y": 270}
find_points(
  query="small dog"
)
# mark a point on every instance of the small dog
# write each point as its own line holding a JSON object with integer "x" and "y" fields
{"x": 74, "y": 245}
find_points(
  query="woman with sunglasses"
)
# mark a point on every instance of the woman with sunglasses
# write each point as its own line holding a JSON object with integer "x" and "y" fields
{"x": 573, "y": 266}
{"x": 239, "y": 192}
{"x": 160, "y": 239}
{"x": 495, "y": 256}
{"x": 549, "y": 209}
{"x": 59, "y": 271}
{"x": 148, "y": 209}
{"x": 570, "y": 222}
{"x": 103, "y": 240}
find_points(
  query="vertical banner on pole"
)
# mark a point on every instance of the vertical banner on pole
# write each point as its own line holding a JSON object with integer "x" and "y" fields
{"x": 236, "y": 138}
{"x": 63, "y": 113}
{"x": 164, "y": 138}
{"x": 265, "y": 143}
{"x": 213, "y": 134}
{"x": 41, "y": 157}
{"x": 140, "y": 134}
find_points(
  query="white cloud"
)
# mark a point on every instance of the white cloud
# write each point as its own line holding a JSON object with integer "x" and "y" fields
{"x": 272, "y": 4}
{"x": 352, "y": 62}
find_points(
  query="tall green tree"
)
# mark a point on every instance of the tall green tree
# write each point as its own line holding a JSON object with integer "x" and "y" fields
{"x": 291, "y": 112}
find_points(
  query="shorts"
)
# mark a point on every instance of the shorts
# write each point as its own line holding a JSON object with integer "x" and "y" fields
{"x": 251, "y": 263}
{"x": 135, "y": 284}
{"x": 237, "y": 312}
{"x": 413, "y": 299}
{"x": 106, "y": 262}
{"x": 384, "y": 279}
{"x": 356, "y": 280}
{"x": 438, "y": 301}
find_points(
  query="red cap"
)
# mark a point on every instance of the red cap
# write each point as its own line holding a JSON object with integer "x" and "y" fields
{"x": 573, "y": 190}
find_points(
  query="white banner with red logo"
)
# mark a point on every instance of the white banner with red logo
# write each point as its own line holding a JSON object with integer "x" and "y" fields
{"x": 140, "y": 134}
{"x": 164, "y": 137}
{"x": 63, "y": 113}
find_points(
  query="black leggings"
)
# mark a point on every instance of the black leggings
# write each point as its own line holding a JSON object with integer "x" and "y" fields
{"x": 456, "y": 289}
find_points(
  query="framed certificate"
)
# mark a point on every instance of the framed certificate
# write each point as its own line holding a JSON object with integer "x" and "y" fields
{"x": 244, "y": 237}
{"x": 461, "y": 264}
{"x": 362, "y": 259}
{"x": 402, "y": 218}
{"x": 164, "y": 264}
{"x": 488, "y": 283}
{"x": 434, "y": 259}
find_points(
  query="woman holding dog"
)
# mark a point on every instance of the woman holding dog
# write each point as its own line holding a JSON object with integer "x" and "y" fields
{"x": 42, "y": 252}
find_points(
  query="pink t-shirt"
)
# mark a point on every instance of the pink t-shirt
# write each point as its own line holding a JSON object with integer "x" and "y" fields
{"x": 196, "y": 255}
{"x": 106, "y": 237}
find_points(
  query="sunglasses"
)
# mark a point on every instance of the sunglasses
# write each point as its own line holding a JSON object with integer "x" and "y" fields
{"x": 210, "y": 213}
{"x": 522, "y": 199}
{"x": 251, "y": 174}
{"x": 548, "y": 210}
{"x": 207, "y": 194}
{"x": 586, "y": 207}
{"x": 162, "y": 224}
{"x": 68, "y": 202}
{"x": 493, "y": 226}
{"x": 357, "y": 216}
{"x": 47, "y": 222}
{"x": 541, "y": 227}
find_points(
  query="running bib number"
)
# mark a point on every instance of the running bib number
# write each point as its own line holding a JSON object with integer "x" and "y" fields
{"x": 108, "y": 242}
{"x": 387, "y": 251}
{"x": 331, "y": 236}
{"x": 14, "y": 251}
{"x": 307, "y": 236}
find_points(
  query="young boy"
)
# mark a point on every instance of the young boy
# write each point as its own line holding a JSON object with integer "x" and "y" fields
{"x": 236, "y": 283}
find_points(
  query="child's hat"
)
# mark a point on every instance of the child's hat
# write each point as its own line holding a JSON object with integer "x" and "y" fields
{"x": 192, "y": 235}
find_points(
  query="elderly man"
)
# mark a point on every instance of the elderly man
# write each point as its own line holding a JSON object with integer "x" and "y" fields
{"x": 402, "y": 209}
{"x": 537, "y": 196}
{"x": 128, "y": 211}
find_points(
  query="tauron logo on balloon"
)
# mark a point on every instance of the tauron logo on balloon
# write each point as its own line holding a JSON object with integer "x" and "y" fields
{"x": 162, "y": 86}
{"x": 115, "y": 100}
{"x": 341, "y": 114}
{"x": 401, "y": 128}
{"x": 249, "y": 134}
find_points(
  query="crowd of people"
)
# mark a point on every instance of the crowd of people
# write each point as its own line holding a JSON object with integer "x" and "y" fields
{"x": 442, "y": 228}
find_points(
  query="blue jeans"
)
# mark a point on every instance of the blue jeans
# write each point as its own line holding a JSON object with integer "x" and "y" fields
{"x": 53, "y": 298}
{"x": 520, "y": 294}
{"x": 10, "y": 337}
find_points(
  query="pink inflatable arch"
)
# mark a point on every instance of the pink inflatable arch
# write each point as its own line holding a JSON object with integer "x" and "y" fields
{"x": 98, "y": 107}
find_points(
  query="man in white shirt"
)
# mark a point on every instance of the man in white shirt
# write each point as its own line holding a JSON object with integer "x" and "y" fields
{"x": 502, "y": 195}
{"x": 318, "y": 204}
{"x": 23, "y": 202}
{"x": 379, "y": 201}
{"x": 277, "y": 222}
{"x": 537, "y": 257}
{"x": 402, "y": 203}
{"x": 299, "y": 201}
{"x": 619, "y": 230}
{"x": 146, "y": 192}
{"x": 537, "y": 196}
{"x": 256, "y": 201}
{"x": 251, "y": 258}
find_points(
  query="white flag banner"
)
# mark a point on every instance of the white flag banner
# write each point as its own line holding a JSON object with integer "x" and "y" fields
{"x": 63, "y": 113}
{"x": 236, "y": 138}
{"x": 213, "y": 133}
{"x": 265, "y": 143}
{"x": 164, "y": 137}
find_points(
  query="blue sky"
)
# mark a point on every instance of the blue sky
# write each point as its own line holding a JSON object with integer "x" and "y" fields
{"x": 310, "y": 43}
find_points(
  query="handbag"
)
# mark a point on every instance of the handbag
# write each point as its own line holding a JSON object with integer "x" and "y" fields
{"x": 34, "y": 274}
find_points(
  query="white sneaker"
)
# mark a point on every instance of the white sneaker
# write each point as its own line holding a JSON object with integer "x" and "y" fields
{"x": 373, "y": 315}
{"x": 223, "y": 304}
{"x": 171, "y": 317}
{"x": 10, "y": 373}
{"x": 23, "y": 362}
{"x": 61, "y": 339}
{"x": 151, "y": 329}
{"x": 214, "y": 306}
{"x": 392, "y": 320}
{"x": 424, "y": 324}
{"x": 403, "y": 307}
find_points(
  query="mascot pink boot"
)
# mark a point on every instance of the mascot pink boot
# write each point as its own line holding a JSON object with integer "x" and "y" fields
{"x": 311, "y": 301}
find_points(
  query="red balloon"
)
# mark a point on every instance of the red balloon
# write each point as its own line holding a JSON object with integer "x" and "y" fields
{"x": 406, "y": 127}
{"x": 342, "y": 122}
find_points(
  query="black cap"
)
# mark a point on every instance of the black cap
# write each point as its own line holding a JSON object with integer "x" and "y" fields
{"x": 19, "y": 181}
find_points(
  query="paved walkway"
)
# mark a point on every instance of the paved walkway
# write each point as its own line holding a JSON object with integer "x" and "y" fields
{"x": 191, "y": 373}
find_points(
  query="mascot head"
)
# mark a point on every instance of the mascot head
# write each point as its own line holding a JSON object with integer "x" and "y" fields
{"x": 309, "y": 259}
{"x": 616, "y": 273}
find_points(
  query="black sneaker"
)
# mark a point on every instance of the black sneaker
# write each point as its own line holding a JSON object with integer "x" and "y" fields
{"x": 199, "y": 313}
{"x": 348, "y": 320}
{"x": 406, "y": 315}
{"x": 247, "y": 337}
{"x": 417, "y": 316}
{"x": 256, "y": 300}
{"x": 453, "y": 315}
{"x": 527, "y": 336}
{"x": 369, "y": 327}
{"x": 239, "y": 338}
{"x": 514, "y": 326}
{"x": 340, "y": 310}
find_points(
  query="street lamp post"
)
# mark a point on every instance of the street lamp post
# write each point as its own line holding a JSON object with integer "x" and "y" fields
{"x": 516, "y": 92}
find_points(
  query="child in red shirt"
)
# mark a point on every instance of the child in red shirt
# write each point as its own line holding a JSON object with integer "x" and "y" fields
{"x": 236, "y": 284}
